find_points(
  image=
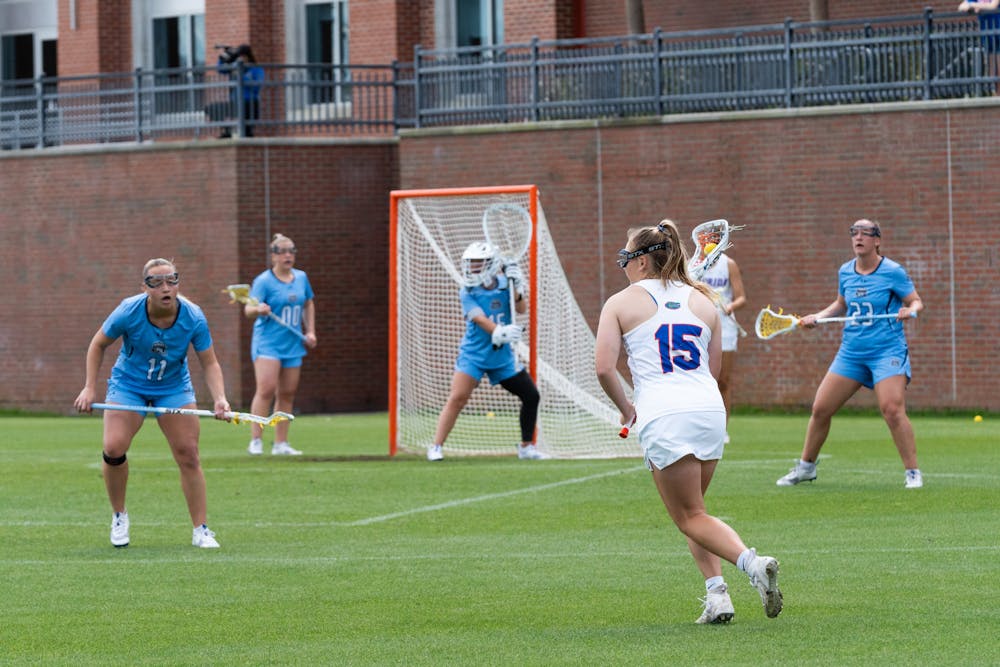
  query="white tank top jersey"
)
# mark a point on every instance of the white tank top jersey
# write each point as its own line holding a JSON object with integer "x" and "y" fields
{"x": 717, "y": 278}
{"x": 668, "y": 357}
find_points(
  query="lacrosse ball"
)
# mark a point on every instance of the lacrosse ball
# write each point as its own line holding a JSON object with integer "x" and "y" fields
{"x": 977, "y": 418}
{"x": 709, "y": 247}
{"x": 490, "y": 415}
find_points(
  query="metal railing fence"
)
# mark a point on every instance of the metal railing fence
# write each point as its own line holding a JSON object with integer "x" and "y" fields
{"x": 793, "y": 64}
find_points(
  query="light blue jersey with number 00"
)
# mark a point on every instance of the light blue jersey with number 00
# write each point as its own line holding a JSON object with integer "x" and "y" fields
{"x": 877, "y": 293}
{"x": 153, "y": 361}
{"x": 287, "y": 301}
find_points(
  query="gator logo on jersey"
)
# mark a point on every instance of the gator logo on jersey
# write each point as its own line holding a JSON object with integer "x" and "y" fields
{"x": 159, "y": 347}
{"x": 672, "y": 305}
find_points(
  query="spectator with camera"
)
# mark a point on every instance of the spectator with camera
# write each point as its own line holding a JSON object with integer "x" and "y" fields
{"x": 236, "y": 62}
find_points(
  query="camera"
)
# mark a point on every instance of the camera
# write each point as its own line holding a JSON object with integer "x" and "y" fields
{"x": 229, "y": 53}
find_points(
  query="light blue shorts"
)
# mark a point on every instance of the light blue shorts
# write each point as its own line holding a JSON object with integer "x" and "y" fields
{"x": 496, "y": 375}
{"x": 123, "y": 396}
{"x": 870, "y": 372}
{"x": 669, "y": 438}
{"x": 287, "y": 362}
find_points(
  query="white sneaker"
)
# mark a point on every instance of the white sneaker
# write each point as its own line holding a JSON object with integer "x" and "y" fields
{"x": 797, "y": 474}
{"x": 284, "y": 449}
{"x": 530, "y": 453}
{"x": 763, "y": 572}
{"x": 204, "y": 538}
{"x": 256, "y": 447}
{"x": 914, "y": 480}
{"x": 718, "y": 606}
{"x": 119, "y": 529}
{"x": 434, "y": 453}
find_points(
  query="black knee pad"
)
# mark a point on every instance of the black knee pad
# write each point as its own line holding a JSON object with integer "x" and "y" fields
{"x": 114, "y": 461}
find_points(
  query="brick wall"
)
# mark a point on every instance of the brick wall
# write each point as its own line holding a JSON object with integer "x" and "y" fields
{"x": 607, "y": 17}
{"x": 797, "y": 181}
{"x": 77, "y": 227}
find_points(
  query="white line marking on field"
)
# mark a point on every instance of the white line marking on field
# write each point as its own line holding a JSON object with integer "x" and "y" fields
{"x": 483, "y": 498}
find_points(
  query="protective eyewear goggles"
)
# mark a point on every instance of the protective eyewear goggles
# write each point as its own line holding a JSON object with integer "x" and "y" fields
{"x": 155, "y": 281}
{"x": 624, "y": 256}
{"x": 866, "y": 231}
{"x": 291, "y": 250}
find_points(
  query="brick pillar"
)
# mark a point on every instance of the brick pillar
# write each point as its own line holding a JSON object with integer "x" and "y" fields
{"x": 95, "y": 36}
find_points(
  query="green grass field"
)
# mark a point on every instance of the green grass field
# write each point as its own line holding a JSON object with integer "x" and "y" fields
{"x": 344, "y": 557}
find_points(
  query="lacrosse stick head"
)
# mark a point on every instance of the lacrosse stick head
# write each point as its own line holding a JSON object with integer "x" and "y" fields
{"x": 770, "y": 324}
{"x": 480, "y": 263}
{"x": 238, "y": 293}
{"x": 507, "y": 227}
{"x": 711, "y": 239}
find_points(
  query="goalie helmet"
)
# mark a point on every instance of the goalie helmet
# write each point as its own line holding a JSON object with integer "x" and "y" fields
{"x": 480, "y": 263}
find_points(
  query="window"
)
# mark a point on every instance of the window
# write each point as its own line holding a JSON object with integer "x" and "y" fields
{"x": 478, "y": 22}
{"x": 327, "y": 51}
{"x": 179, "y": 41}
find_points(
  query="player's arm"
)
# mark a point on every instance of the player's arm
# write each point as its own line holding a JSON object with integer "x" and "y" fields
{"x": 607, "y": 349}
{"x": 309, "y": 322}
{"x": 95, "y": 357}
{"x": 835, "y": 309}
{"x": 739, "y": 291}
{"x": 912, "y": 303}
{"x": 213, "y": 378}
{"x": 483, "y": 322}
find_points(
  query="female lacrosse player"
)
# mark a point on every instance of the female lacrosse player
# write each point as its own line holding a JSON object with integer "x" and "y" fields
{"x": 670, "y": 329}
{"x": 725, "y": 279}
{"x": 872, "y": 353}
{"x": 156, "y": 328}
{"x": 277, "y": 352}
{"x": 486, "y": 346}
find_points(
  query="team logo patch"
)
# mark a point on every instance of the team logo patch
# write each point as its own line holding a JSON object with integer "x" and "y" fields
{"x": 292, "y": 298}
{"x": 159, "y": 347}
{"x": 672, "y": 305}
{"x": 895, "y": 362}
{"x": 495, "y": 304}
{"x": 861, "y": 291}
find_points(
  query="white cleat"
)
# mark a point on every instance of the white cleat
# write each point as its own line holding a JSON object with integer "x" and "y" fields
{"x": 119, "y": 530}
{"x": 204, "y": 538}
{"x": 797, "y": 474}
{"x": 764, "y": 576}
{"x": 530, "y": 453}
{"x": 256, "y": 447}
{"x": 914, "y": 480}
{"x": 718, "y": 606}
{"x": 434, "y": 453}
{"x": 284, "y": 449}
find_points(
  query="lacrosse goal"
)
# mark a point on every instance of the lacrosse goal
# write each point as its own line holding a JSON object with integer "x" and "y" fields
{"x": 429, "y": 230}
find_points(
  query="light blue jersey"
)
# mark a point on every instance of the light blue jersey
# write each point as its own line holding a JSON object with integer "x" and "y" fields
{"x": 153, "y": 361}
{"x": 476, "y": 355}
{"x": 879, "y": 292}
{"x": 287, "y": 301}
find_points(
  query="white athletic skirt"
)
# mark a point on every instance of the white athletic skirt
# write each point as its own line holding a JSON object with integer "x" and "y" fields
{"x": 671, "y": 437}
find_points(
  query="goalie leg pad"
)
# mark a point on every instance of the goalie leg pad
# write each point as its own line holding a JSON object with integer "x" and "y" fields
{"x": 522, "y": 386}
{"x": 114, "y": 460}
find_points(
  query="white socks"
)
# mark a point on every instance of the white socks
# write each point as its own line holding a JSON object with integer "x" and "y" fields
{"x": 714, "y": 582}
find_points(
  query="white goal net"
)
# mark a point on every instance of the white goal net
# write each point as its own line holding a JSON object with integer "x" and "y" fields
{"x": 429, "y": 231}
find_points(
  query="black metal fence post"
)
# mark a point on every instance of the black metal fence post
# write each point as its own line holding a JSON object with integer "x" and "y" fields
{"x": 789, "y": 69}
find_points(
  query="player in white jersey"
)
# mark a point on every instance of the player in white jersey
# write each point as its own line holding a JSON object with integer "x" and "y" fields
{"x": 726, "y": 281}
{"x": 670, "y": 330}
{"x": 156, "y": 327}
{"x": 873, "y": 353}
{"x": 277, "y": 352}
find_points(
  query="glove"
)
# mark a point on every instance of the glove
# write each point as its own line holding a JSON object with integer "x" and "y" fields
{"x": 515, "y": 276}
{"x": 506, "y": 333}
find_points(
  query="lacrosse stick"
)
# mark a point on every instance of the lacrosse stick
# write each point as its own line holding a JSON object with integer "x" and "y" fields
{"x": 234, "y": 417}
{"x": 508, "y": 228}
{"x": 721, "y": 303}
{"x": 711, "y": 239}
{"x": 770, "y": 324}
{"x": 241, "y": 294}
